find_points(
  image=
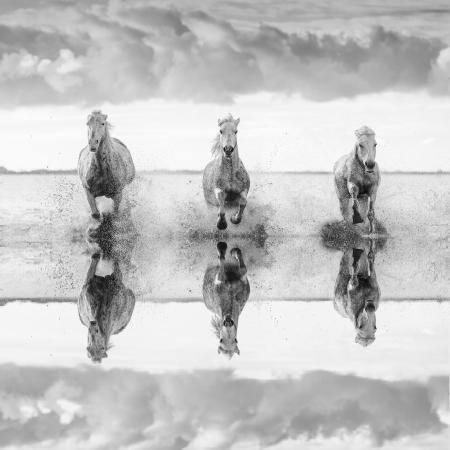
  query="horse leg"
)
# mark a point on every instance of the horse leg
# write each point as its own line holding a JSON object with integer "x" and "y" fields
{"x": 354, "y": 271}
{"x": 117, "y": 272}
{"x": 371, "y": 257}
{"x": 236, "y": 253}
{"x": 92, "y": 268}
{"x": 371, "y": 213}
{"x": 117, "y": 199}
{"x": 344, "y": 203}
{"x": 221, "y": 221}
{"x": 91, "y": 200}
{"x": 221, "y": 251}
{"x": 236, "y": 218}
{"x": 354, "y": 191}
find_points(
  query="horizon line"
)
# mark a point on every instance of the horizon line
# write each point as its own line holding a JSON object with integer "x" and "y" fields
{"x": 46, "y": 300}
{"x": 5, "y": 171}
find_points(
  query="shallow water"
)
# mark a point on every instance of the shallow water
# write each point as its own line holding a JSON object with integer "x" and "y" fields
{"x": 300, "y": 379}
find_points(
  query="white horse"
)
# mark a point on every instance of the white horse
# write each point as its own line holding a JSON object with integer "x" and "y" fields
{"x": 105, "y": 306}
{"x": 225, "y": 180}
{"x": 225, "y": 291}
{"x": 357, "y": 294}
{"x": 105, "y": 165}
{"x": 357, "y": 178}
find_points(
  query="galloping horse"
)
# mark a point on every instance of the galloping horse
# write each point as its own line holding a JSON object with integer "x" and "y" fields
{"x": 105, "y": 306}
{"x": 357, "y": 177}
{"x": 105, "y": 166}
{"x": 225, "y": 291}
{"x": 357, "y": 294}
{"x": 225, "y": 180}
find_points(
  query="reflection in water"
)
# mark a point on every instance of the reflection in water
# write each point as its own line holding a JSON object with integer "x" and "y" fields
{"x": 105, "y": 306}
{"x": 356, "y": 293}
{"x": 225, "y": 291}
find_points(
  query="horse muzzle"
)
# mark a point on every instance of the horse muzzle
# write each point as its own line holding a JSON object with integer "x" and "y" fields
{"x": 228, "y": 322}
{"x": 94, "y": 144}
{"x": 228, "y": 150}
{"x": 370, "y": 165}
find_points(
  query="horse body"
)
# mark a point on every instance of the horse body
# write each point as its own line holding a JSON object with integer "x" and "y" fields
{"x": 357, "y": 293}
{"x": 225, "y": 291}
{"x": 105, "y": 306}
{"x": 105, "y": 166}
{"x": 357, "y": 178}
{"x": 225, "y": 180}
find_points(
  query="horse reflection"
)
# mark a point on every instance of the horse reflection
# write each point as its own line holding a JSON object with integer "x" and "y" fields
{"x": 105, "y": 306}
{"x": 225, "y": 291}
{"x": 357, "y": 294}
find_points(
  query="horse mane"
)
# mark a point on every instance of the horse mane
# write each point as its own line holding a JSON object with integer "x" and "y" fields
{"x": 363, "y": 131}
{"x": 215, "y": 148}
{"x": 96, "y": 113}
{"x": 216, "y": 323}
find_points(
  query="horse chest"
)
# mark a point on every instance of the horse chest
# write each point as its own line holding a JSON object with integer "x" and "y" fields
{"x": 365, "y": 183}
{"x": 232, "y": 182}
{"x": 99, "y": 181}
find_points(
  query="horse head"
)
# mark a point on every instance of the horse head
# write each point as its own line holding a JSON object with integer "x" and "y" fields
{"x": 226, "y": 331}
{"x": 97, "y": 343}
{"x": 366, "y": 147}
{"x": 97, "y": 129}
{"x": 227, "y": 135}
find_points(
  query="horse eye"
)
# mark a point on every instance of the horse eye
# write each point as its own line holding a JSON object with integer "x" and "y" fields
{"x": 103, "y": 123}
{"x": 221, "y": 341}
{"x": 236, "y": 341}
{"x": 235, "y": 132}
{"x": 375, "y": 144}
{"x": 220, "y": 131}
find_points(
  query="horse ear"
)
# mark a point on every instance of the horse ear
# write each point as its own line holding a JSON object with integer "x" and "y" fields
{"x": 237, "y": 121}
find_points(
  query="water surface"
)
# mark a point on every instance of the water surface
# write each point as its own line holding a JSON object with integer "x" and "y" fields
{"x": 300, "y": 380}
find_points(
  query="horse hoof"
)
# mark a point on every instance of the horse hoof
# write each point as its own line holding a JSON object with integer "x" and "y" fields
{"x": 236, "y": 219}
{"x": 222, "y": 248}
{"x": 235, "y": 253}
{"x": 96, "y": 216}
{"x": 222, "y": 222}
{"x": 96, "y": 255}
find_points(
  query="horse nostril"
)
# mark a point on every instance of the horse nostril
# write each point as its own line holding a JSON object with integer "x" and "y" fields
{"x": 370, "y": 164}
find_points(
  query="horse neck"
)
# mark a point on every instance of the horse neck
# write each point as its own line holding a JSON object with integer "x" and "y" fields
{"x": 231, "y": 307}
{"x": 104, "y": 150}
{"x": 356, "y": 157}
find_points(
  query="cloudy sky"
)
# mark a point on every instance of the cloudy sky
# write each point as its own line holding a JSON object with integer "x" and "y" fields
{"x": 302, "y": 76}
{"x": 89, "y": 408}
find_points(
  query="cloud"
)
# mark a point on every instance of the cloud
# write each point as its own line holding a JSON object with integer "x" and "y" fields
{"x": 92, "y": 408}
{"x": 117, "y": 51}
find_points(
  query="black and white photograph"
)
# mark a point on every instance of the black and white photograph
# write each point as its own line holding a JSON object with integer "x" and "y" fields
{"x": 224, "y": 224}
